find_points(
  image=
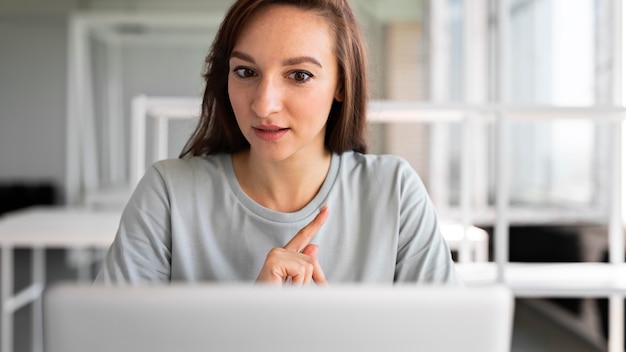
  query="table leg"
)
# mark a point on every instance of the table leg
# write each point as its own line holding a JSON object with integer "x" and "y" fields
{"x": 6, "y": 336}
{"x": 39, "y": 280}
{"x": 481, "y": 251}
{"x": 84, "y": 265}
{"x": 616, "y": 323}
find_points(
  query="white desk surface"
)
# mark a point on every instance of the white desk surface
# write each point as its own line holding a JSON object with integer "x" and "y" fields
{"x": 59, "y": 227}
{"x": 455, "y": 231}
{"x": 550, "y": 279}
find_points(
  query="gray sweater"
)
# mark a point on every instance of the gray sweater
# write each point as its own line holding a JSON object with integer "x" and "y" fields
{"x": 189, "y": 220}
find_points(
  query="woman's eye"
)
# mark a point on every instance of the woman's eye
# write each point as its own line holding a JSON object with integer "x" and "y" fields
{"x": 300, "y": 76}
{"x": 244, "y": 72}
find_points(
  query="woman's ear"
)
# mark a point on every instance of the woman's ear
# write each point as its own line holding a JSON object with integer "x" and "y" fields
{"x": 339, "y": 94}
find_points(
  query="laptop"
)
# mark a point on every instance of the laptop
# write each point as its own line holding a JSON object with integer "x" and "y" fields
{"x": 237, "y": 318}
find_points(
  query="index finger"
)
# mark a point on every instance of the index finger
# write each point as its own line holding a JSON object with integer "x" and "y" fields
{"x": 306, "y": 234}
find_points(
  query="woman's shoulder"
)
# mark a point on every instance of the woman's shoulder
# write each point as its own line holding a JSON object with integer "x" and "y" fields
{"x": 381, "y": 174}
{"x": 375, "y": 162}
{"x": 379, "y": 170}
{"x": 190, "y": 166}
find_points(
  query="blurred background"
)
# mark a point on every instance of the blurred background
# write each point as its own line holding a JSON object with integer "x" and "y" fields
{"x": 92, "y": 91}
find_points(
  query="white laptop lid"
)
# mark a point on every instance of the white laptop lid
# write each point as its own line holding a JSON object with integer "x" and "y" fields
{"x": 243, "y": 318}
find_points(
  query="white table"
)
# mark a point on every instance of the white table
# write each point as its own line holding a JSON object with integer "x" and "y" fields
{"x": 476, "y": 242}
{"x": 550, "y": 279}
{"x": 40, "y": 228}
{"x": 561, "y": 280}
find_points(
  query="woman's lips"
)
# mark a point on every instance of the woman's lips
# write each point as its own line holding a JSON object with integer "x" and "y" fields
{"x": 270, "y": 133}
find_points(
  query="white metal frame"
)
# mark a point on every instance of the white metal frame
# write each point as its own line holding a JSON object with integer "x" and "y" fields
{"x": 161, "y": 109}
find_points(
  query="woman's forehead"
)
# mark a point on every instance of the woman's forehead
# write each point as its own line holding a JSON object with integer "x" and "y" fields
{"x": 288, "y": 30}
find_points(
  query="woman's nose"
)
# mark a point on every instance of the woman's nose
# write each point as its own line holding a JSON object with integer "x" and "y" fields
{"x": 268, "y": 98}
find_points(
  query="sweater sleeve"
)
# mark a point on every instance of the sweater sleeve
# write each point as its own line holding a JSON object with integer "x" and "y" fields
{"x": 141, "y": 251}
{"x": 423, "y": 254}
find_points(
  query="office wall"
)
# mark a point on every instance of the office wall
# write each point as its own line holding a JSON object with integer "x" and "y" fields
{"x": 33, "y": 93}
{"x": 32, "y": 96}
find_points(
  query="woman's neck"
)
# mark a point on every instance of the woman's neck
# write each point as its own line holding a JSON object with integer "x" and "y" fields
{"x": 285, "y": 186}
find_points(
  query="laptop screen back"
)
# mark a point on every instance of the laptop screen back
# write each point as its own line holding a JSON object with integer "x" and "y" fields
{"x": 243, "y": 318}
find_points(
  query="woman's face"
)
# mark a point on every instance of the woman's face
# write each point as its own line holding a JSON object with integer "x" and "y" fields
{"x": 282, "y": 82}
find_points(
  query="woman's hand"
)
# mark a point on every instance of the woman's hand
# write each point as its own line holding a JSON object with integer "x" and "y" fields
{"x": 297, "y": 260}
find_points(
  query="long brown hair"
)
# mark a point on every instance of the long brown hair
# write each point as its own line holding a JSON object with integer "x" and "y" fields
{"x": 218, "y": 132}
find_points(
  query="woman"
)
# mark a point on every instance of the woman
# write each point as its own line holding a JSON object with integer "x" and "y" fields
{"x": 273, "y": 186}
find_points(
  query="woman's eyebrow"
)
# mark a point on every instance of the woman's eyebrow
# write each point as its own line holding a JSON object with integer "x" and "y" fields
{"x": 288, "y": 62}
{"x": 301, "y": 59}
{"x": 242, "y": 56}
